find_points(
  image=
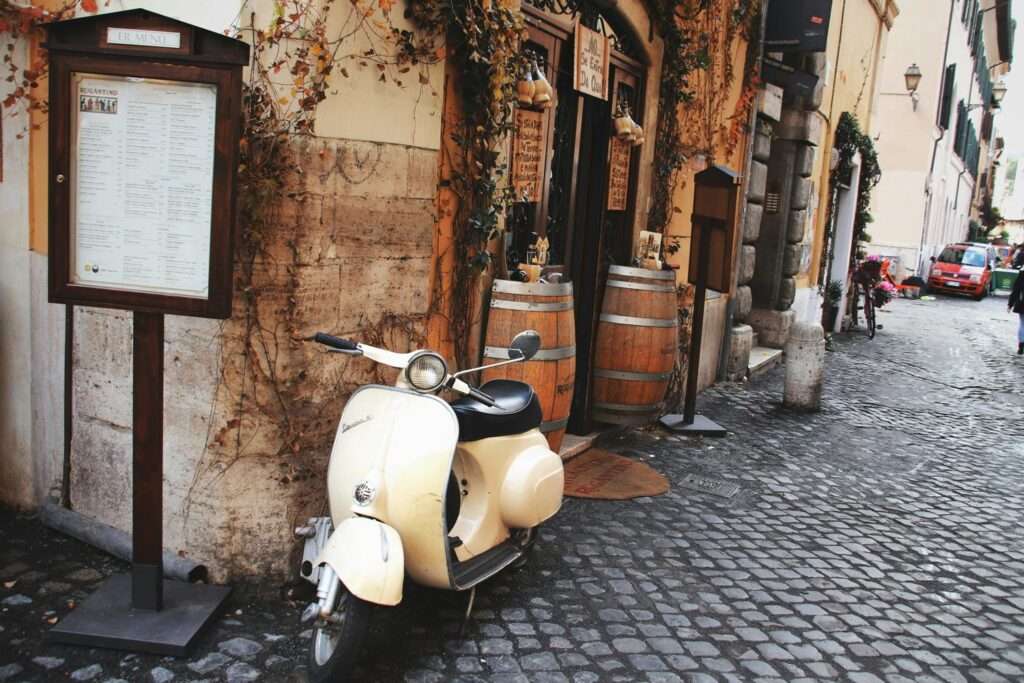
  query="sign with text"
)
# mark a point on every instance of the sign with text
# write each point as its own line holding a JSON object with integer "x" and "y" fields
{"x": 590, "y": 70}
{"x": 142, "y": 184}
{"x": 528, "y": 155}
{"x": 143, "y": 157}
{"x": 618, "y": 174}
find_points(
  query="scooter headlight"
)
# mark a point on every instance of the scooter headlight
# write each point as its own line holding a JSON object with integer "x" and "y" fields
{"x": 426, "y": 371}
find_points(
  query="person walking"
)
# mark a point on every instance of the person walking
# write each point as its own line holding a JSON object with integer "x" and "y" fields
{"x": 1016, "y": 304}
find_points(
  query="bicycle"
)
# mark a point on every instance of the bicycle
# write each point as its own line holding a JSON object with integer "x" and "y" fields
{"x": 865, "y": 277}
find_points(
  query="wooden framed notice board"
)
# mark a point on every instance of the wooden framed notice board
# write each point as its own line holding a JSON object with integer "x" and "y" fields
{"x": 145, "y": 120}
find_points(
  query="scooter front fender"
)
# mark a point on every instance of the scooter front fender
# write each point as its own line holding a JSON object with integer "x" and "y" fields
{"x": 368, "y": 558}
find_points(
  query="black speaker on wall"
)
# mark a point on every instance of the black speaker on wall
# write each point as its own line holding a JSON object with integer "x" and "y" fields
{"x": 797, "y": 25}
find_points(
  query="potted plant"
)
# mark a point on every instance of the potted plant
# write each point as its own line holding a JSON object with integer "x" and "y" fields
{"x": 833, "y": 296}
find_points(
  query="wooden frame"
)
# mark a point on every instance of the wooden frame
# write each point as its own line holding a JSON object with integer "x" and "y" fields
{"x": 80, "y": 47}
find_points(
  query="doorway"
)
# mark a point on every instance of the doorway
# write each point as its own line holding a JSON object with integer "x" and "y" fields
{"x": 584, "y": 235}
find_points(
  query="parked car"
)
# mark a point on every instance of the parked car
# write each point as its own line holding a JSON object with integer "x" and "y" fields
{"x": 963, "y": 268}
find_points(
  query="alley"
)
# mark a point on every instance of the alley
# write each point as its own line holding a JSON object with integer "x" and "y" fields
{"x": 882, "y": 539}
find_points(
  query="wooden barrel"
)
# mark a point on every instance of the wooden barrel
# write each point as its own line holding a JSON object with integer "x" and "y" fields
{"x": 636, "y": 344}
{"x": 547, "y": 308}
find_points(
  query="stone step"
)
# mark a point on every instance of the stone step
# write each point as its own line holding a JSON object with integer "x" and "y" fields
{"x": 762, "y": 359}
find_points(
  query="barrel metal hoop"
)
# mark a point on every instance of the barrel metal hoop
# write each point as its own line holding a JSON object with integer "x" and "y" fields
{"x": 622, "y": 418}
{"x": 639, "y": 322}
{"x": 622, "y": 284}
{"x": 531, "y": 305}
{"x": 642, "y": 272}
{"x": 554, "y": 425}
{"x": 629, "y": 407}
{"x": 535, "y": 288}
{"x": 499, "y": 353}
{"x": 632, "y": 376}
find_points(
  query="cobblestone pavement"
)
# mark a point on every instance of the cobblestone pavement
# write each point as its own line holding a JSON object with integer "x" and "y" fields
{"x": 879, "y": 540}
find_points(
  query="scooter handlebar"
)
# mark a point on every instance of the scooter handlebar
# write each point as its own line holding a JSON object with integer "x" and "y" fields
{"x": 482, "y": 397}
{"x": 335, "y": 342}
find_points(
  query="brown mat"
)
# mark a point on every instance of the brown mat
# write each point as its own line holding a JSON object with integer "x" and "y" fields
{"x": 607, "y": 476}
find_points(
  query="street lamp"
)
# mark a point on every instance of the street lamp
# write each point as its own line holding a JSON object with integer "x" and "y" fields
{"x": 913, "y": 78}
{"x": 998, "y": 93}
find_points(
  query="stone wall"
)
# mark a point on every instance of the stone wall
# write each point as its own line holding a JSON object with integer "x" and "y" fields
{"x": 250, "y": 404}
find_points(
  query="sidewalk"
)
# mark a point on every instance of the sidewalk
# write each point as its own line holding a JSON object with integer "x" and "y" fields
{"x": 879, "y": 540}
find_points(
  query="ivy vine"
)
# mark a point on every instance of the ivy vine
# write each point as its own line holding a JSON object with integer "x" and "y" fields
{"x": 849, "y": 140}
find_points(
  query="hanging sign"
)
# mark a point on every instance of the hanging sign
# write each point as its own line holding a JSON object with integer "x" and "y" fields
{"x": 590, "y": 71}
{"x": 618, "y": 174}
{"x": 527, "y": 155}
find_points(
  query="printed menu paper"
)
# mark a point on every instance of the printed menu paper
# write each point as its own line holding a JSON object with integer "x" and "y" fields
{"x": 142, "y": 184}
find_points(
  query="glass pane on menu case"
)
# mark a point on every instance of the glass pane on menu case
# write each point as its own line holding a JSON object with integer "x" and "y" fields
{"x": 142, "y": 184}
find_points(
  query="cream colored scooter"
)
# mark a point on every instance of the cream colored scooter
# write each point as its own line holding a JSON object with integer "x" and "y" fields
{"x": 448, "y": 494}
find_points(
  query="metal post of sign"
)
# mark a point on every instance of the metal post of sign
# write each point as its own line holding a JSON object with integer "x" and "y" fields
{"x": 689, "y": 422}
{"x": 143, "y": 611}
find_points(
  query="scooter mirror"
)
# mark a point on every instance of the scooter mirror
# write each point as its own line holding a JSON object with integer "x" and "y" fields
{"x": 525, "y": 345}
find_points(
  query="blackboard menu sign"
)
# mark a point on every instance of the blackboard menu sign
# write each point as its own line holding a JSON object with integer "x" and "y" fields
{"x": 618, "y": 174}
{"x": 528, "y": 155}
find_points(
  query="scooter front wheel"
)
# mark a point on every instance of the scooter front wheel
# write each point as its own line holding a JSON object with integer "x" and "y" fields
{"x": 336, "y": 645}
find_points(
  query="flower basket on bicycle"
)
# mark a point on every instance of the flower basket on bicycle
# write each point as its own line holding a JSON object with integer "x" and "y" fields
{"x": 868, "y": 273}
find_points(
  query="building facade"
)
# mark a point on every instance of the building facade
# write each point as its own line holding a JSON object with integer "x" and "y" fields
{"x": 933, "y": 145}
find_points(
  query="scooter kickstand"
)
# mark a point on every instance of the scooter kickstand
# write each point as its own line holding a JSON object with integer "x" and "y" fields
{"x": 469, "y": 611}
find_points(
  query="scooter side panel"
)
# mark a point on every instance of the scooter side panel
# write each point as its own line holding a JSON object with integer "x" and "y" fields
{"x": 401, "y": 443}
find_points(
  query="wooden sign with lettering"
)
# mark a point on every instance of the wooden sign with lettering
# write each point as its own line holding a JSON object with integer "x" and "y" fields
{"x": 618, "y": 174}
{"x": 590, "y": 72}
{"x": 528, "y": 155}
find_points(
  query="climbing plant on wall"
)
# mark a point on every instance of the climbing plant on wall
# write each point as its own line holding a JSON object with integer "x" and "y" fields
{"x": 849, "y": 140}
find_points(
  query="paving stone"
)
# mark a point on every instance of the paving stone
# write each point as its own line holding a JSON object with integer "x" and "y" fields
{"x": 240, "y": 647}
{"x": 87, "y": 673}
{"x": 209, "y": 663}
{"x": 9, "y": 671}
{"x": 161, "y": 675}
{"x": 48, "y": 662}
{"x": 16, "y": 600}
{"x": 242, "y": 671}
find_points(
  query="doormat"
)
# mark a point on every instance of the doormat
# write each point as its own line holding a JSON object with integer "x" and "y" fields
{"x": 607, "y": 476}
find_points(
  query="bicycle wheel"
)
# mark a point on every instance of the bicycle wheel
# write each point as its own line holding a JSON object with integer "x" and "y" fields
{"x": 869, "y": 312}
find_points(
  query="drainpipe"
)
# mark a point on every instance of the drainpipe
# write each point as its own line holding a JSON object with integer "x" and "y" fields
{"x": 935, "y": 149}
{"x": 730, "y": 308}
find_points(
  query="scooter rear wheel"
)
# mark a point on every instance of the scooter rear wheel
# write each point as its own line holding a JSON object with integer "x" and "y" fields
{"x": 334, "y": 648}
{"x": 527, "y": 540}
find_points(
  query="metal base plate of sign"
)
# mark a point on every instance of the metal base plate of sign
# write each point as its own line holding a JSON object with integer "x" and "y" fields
{"x": 107, "y": 619}
{"x": 701, "y": 426}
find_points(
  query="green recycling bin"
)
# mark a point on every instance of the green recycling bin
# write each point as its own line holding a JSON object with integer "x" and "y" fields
{"x": 1003, "y": 278}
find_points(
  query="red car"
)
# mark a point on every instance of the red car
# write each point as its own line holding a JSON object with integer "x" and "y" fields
{"x": 963, "y": 268}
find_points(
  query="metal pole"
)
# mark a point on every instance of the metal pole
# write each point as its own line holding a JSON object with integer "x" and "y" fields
{"x": 697, "y": 332}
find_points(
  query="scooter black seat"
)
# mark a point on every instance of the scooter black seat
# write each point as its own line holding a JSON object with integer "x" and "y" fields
{"x": 518, "y": 411}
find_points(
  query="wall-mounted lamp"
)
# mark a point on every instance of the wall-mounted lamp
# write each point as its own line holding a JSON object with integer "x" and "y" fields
{"x": 998, "y": 93}
{"x": 913, "y": 78}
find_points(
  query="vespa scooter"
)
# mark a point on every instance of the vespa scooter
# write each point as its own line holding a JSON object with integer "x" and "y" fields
{"x": 448, "y": 494}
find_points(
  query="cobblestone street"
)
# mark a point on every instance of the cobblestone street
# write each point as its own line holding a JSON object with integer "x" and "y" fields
{"x": 879, "y": 540}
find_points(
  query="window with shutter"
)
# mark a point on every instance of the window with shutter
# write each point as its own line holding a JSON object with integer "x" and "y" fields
{"x": 946, "y": 104}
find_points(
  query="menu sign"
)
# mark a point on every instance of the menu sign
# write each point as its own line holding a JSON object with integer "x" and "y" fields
{"x": 618, "y": 174}
{"x": 590, "y": 72}
{"x": 142, "y": 192}
{"x": 527, "y": 155}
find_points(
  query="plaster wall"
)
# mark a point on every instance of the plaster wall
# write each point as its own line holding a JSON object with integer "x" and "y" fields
{"x": 921, "y": 205}
{"x": 15, "y": 310}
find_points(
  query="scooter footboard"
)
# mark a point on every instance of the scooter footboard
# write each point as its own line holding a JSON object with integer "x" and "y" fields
{"x": 368, "y": 558}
